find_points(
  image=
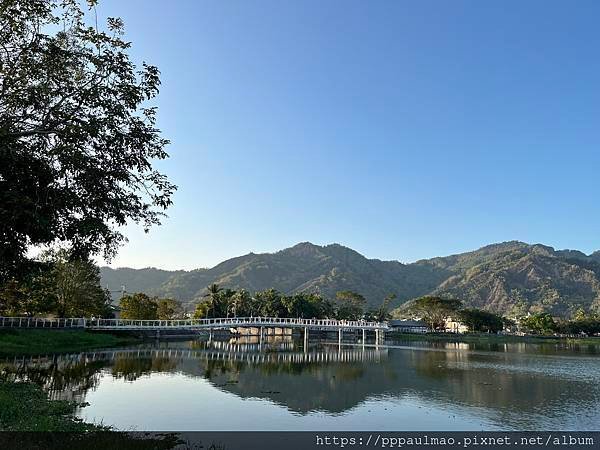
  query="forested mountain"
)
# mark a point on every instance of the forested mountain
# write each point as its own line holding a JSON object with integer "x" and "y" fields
{"x": 135, "y": 280}
{"x": 515, "y": 278}
{"x": 507, "y": 277}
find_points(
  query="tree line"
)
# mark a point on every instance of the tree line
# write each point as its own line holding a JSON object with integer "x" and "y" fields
{"x": 58, "y": 285}
{"x": 224, "y": 302}
{"x": 66, "y": 286}
{"x": 434, "y": 311}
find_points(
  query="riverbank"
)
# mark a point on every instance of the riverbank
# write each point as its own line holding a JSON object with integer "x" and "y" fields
{"x": 35, "y": 342}
{"x": 490, "y": 338}
{"x": 51, "y": 424}
{"x": 26, "y": 407}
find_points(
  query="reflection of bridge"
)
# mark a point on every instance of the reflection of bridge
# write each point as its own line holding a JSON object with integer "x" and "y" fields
{"x": 260, "y": 323}
{"x": 247, "y": 353}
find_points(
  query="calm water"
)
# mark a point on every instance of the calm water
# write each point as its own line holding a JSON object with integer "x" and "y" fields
{"x": 239, "y": 385}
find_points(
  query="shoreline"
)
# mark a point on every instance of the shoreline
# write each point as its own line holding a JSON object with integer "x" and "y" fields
{"x": 492, "y": 338}
{"x": 17, "y": 342}
{"x": 26, "y": 406}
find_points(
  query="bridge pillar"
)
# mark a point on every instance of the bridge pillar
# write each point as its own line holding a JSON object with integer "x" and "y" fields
{"x": 364, "y": 333}
{"x": 305, "y": 339}
{"x": 340, "y": 337}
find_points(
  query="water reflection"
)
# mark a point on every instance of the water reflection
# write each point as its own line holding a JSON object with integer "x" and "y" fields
{"x": 517, "y": 386}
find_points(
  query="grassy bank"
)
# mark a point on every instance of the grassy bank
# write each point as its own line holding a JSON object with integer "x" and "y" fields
{"x": 25, "y": 407}
{"x": 489, "y": 338}
{"x": 34, "y": 342}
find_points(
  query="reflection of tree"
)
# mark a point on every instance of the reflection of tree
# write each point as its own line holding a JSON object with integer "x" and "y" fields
{"x": 132, "y": 368}
{"x": 431, "y": 364}
{"x": 511, "y": 386}
{"x": 215, "y": 367}
{"x": 57, "y": 374}
{"x": 349, "y": 373}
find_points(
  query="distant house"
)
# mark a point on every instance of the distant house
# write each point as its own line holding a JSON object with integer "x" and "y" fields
{"x": 454, "y": 326}
{"x": 408, "y": 326}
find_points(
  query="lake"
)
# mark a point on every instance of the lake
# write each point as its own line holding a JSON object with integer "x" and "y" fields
{"x": 238, "y": 384}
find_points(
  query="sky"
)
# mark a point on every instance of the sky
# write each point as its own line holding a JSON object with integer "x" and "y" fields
{"x": 401, "y": 129}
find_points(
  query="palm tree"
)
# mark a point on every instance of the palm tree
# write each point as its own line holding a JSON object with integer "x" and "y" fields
{"x": 240, "y": 302}
{"x": 212, "y": 292}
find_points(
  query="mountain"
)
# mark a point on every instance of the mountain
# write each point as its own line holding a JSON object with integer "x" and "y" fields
{"x": 518, "y": 278}
{"x": 507, "y": 277}
{"x": 149, "y": 279}
{"x": 304, "y": 267}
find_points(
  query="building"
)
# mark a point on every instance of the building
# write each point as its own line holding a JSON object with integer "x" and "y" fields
{"x": 454, "y": 326}
{"x": 408, "y": 326}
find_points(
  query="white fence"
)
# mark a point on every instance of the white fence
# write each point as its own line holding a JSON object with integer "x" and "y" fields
{"x": 231, "y": 322}
{"x": 41, "y": 322}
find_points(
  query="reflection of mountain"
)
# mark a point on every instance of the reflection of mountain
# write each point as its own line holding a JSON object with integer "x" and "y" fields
{"x": 445, "y": 378}
{"x": 512, "y": 389}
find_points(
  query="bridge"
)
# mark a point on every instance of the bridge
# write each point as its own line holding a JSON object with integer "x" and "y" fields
{"x": 226, "y": 323}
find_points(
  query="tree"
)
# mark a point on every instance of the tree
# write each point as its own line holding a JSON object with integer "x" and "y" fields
{"x": 168, "y": 309}
{"x": 138, "y": 306}
{"x": 60, "y": 285}
{"x": 541, "y": 323}
{"x": 579, "y": 315}
{"x": 241, "y": 304}
{"x": 13, "y": 298}
{"x": 222, "y": 303}
{"x": 31, "y": 295}
{"x": 382, "y": 313}
{"x": 326, "y": 309}
{"x": 77, "y": 134}
{"x": 582, "y": 322}
{"x": 75, "y": 284}
{"x": 318, "y": 307}
{"x": 270, "y": 303}
{"x": 350, "y": 305}
{"x": 212, "y": 292}
{"x": 202, "y": 310}
{"x": 434, "y": 310}
{"x": 481, "y": 321}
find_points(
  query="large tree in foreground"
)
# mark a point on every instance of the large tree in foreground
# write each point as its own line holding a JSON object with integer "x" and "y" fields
{"x": 77, "y": 133}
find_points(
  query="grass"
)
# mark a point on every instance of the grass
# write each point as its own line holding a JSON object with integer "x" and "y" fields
{"x": 490, "y": 338}
{"x": 35, "y": 342}
{"x": 25, "y": 407}
{"x": 52, "y": 424}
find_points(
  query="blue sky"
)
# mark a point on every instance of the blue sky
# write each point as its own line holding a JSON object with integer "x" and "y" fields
{"x": 404, "y": 130}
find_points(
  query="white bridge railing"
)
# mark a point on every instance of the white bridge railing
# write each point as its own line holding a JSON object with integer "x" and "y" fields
{"x": 41, "y": 322}
{"x": 231, "y": 322}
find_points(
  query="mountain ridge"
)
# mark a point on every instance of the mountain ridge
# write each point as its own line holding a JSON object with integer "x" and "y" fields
{"x": 506, "y": 277}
